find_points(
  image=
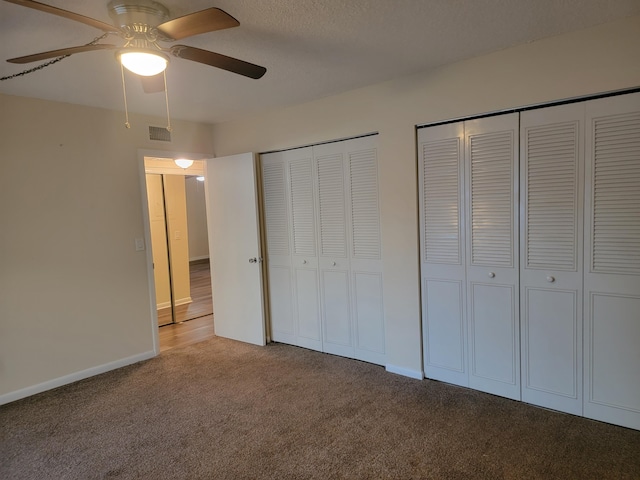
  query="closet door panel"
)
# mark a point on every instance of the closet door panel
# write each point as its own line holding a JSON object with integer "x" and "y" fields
{"x": 614, "y": 330}
{"x": 337, "y": 312}
{"x": 552, "y": 161}
{"x": 334, "y": 253}
{"x": 304, "y": 250}
{"x": 365, "y": 249}
{"x": 491, "y": 149}
{"x": 309, "y": 334}
{"x": 281, "y": 304}
{"x": 303, "y": 219}
{"x": 364, "y": 211}
{"x": 279, "y": 266}
{"x": 369, "y": 317}
{"x": 612, "y": 260}
{"x": 444, "y": 328}
{"x": 551, "y": 350}
{"x": 493, "y": 337}
{"x": 442, "y": 237}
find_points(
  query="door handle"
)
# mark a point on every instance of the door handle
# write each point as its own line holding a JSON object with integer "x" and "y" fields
{"x": 253, "y": 260}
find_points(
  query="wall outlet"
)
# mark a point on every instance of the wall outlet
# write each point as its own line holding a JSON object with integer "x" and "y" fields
{"x": 139, "y": 244}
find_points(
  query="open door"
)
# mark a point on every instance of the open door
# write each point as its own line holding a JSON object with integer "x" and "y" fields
{"x": 234, "y": 248}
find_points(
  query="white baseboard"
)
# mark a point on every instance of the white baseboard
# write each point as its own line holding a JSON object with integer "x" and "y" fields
{"x": 405, "y": 372}
{"x": 195, "y": 259}
{"x": 73, "y": 377}
{"x": 183, "y": 301}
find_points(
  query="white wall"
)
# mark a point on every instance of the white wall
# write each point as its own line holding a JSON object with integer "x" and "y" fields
{"x": 600, "y": 59}
{"x": 74, "y": 293}
{"x": 197, "y": 220}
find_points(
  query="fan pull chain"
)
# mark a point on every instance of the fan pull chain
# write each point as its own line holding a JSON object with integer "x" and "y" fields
{"x": 124, "y": 92}
{"x": 166, "y": 97}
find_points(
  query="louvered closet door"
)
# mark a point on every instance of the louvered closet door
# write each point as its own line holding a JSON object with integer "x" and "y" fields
{"x": 441, "y": 188}
{"x": 291, "y": 247}
{"x": 365, "y": 251}
{"x": 276, "y": 216}
{"x": 552, "y": 162}
{"x": 612, "y": 261}
{"x": 304, "y": 250}
{"x": 334, "y": 265}
{"x": 492, "y": 254}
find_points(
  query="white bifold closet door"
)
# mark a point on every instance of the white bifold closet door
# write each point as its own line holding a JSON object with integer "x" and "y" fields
{"x": 469, "y": 234}
{"x": 334, "y": 249}
{"x": 491, "y": 157}
{"x": 324, "y": 251}
{"x": 291, "y": 247}
{"x": 442, "y": 231}
{"x": 551, "y": 160}
{"x": 612, "y": 261}
{"x": 365, "y": 249}
{"x": 350, "y": 249}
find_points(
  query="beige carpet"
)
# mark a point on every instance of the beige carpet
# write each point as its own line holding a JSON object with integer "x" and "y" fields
{"x": 225, "y": 410}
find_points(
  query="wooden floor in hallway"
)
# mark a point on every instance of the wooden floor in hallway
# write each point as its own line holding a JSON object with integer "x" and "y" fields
{"x": 186, "y": 333}
{"x": 194, "y": 321}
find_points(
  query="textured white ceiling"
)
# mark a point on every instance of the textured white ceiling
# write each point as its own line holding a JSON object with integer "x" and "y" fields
{"x": 311, "y": 48}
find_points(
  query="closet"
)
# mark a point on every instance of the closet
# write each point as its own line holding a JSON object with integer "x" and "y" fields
{"x": 530, "y": 256}
{"x": 324, "y": 264}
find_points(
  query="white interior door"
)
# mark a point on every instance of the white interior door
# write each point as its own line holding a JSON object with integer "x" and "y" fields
{"x": 234, "y": 248}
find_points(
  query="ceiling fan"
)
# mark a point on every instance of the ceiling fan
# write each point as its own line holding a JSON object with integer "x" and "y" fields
{"x": 144, "y": 25}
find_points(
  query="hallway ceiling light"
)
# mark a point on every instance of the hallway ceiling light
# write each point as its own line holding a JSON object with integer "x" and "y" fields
{"x": 200, "y": 178}
{"x": 183, "y": 162}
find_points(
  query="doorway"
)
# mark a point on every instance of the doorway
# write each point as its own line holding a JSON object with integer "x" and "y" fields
{"x": 179, "y": 245}
{"x": 234, "y": 241}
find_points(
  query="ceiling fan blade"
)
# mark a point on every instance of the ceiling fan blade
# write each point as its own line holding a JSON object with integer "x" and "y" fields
{"x": 203, "y": 21}
{"x": 153, "y": 84}
{"x": 60, "y": 52}
{"x": 218, "y": 60}
{"x": 66, "y": 14}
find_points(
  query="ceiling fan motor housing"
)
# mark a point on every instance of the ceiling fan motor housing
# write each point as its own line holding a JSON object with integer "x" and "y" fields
{"x": 138, "y": 17}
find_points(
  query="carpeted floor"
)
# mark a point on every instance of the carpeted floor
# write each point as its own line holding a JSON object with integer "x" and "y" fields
{"x": 226, "y": 410}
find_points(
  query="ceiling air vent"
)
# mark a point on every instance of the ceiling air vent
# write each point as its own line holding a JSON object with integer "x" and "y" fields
{"x": 159, "y": 133}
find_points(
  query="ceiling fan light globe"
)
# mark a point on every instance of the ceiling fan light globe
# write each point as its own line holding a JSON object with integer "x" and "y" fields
{"x": 146, "y": 64}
